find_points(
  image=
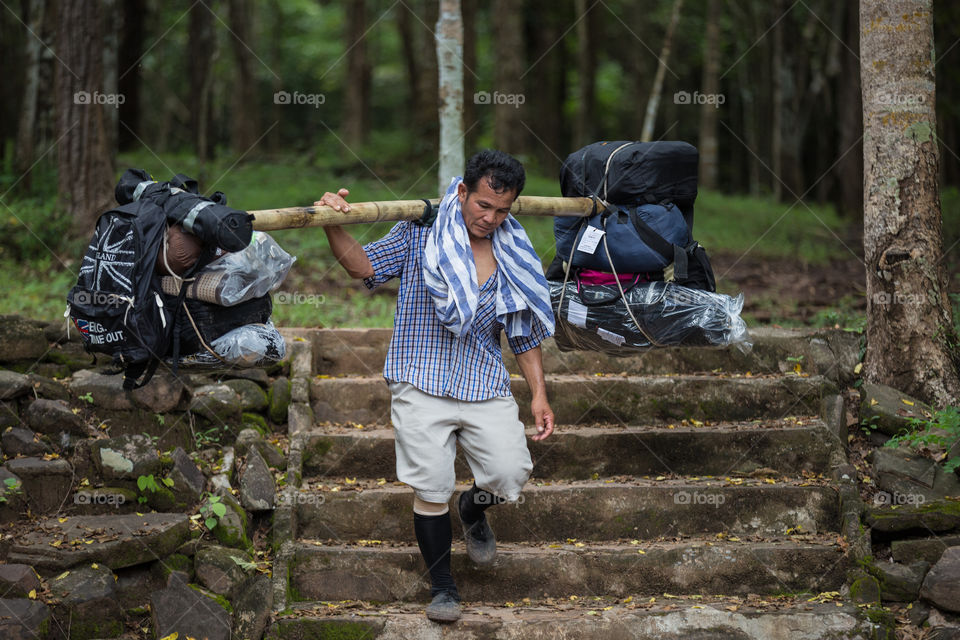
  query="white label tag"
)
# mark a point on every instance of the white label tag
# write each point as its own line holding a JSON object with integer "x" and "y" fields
{"x": 590, "y": 240}
{"x": 610, "y": 336}
{"x": 577, "y": 314}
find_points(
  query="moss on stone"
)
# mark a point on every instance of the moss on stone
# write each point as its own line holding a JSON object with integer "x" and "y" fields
{"x": 219, "y": 599}
{"x": 257, "y": 422}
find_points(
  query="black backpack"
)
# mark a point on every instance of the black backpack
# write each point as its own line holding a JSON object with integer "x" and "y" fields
{"x": 117, "y": 304}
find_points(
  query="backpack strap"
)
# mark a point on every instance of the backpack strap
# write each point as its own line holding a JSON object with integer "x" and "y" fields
{"x": 132, "y": 372}
{"x": 651, "y": 238}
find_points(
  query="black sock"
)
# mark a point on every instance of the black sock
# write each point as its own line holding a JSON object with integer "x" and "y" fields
{"x": 474, "y": 502}
{"x": 434, "y": 538}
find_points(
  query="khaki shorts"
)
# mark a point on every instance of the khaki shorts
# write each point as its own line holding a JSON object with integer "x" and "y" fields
{"x": 427, "y": 430}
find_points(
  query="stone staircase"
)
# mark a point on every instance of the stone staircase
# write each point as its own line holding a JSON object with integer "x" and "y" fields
{"x": 686, "y": 493}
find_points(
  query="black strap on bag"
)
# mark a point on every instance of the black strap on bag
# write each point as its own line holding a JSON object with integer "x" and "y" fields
{"x": 698, "y": 276}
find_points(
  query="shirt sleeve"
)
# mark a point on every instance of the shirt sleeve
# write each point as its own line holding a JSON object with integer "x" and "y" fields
{"x": 538, "y": 333}
{"x": 387, "y": 255}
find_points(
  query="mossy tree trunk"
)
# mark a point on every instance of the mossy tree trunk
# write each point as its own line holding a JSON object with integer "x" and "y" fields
{"x": 911, "y": 344}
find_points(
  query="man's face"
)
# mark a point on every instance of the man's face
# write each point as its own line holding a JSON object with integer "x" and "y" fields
{"x": 484, "y": 209}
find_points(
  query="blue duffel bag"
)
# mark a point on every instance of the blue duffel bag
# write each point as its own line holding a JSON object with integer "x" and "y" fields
{"x": 624, "y": 235}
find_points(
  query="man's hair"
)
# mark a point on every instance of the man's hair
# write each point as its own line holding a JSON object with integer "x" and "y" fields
{"x": 502, "y": 171}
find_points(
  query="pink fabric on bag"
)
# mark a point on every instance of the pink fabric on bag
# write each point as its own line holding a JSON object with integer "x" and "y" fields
{"x": 589, "y": 277}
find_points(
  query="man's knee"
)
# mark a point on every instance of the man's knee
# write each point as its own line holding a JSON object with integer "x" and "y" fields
{"x": 507, "y": 482}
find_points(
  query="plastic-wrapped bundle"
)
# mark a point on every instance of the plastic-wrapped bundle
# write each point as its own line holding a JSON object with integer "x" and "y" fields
{"x": 252, "y": 345}
{"x": 236, "y": 277}
{"x": 595, "y": 318}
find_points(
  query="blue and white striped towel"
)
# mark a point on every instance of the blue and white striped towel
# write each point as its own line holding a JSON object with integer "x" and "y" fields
{"x": 451, "y": 275}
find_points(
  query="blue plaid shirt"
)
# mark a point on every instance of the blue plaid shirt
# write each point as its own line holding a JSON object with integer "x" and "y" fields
{"x": 422, "y": 351}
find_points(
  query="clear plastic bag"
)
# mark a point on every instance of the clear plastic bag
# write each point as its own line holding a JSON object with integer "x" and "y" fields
{"x": 595, "y": 318}
{"x": 252, "y": 345}
{"x": 251, "y": 273}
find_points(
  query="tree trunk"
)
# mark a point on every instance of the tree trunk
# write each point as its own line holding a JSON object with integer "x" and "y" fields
{"x": 450, "y": 58}
{"x": 202, "y": 47}
{"x": 654, "y": 102}
{"x": 357, "y": 107}
{"x": 111, "y": 63}
{"x": 909, "y": 321}
{"x": 421, "y": 62}
{"x": 508, "y": 130}
{"x": 28, "y": 110}
{"x": 128, "y": 81}
{"x": 84, "y": 172}
{"x": 711, "y": 86}
{"x": 542, "y": 109}
{"x": 849, "y": 151}
{"x": 586, "y": 75}
{"x": 778, "y": 100}
{"x": 471, "y": 129}
{"x": 245, "y": 103}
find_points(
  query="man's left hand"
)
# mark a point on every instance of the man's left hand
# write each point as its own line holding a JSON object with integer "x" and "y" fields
{"x": 543, "y": 417}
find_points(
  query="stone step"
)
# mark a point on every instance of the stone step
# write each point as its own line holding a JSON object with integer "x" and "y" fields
{"x": 591, "y": 510}
{"x": 831, "y": 353}
{"x": 618, "y": 399}
{"x": 382, "y": 573}
{"x": 578, "y": 453}
{"x": 586, "y": 619}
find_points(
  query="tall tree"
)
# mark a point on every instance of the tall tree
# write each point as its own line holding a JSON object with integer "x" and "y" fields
{"x": 711, "y": 86}
{"x": 450, "y": 56}
{"x": 542, "y": 109}
{"x": 246, "y": 113}
{"x": 778, "y": 100}
{"x": 85, "y": 174}
{"x": 653, "y": 103}
{"x": 26, "y": 130}
{"x": 586, "y": 74}
{"x": 508, "y": 130}
{"x": 911, "y": 344}
{"x": 135, "y": 14}
{"x": 468, "y": 11}
{"x": 202, "y": 48}
{"x": 421, "y": 62}
{"x": 849, "y": 151}
{"x": 357, "y": 111}
{"x": 111, "y": 62}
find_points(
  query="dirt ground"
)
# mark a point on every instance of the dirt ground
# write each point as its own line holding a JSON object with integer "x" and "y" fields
{"x": 787, "y": 290}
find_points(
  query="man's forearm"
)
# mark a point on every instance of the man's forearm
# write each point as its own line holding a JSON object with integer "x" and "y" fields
{"x": 531, "y": 366}
{"x": 348, "y": 252}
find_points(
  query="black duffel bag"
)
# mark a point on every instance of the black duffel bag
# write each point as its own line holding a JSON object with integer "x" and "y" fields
{"x": 633, "y": 173}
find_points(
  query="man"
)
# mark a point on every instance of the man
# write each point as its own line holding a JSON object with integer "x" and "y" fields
{"x": 462, "y": 280}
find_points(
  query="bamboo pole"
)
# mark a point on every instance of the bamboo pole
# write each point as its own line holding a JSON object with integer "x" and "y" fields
{"x": 394, "y": 210}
